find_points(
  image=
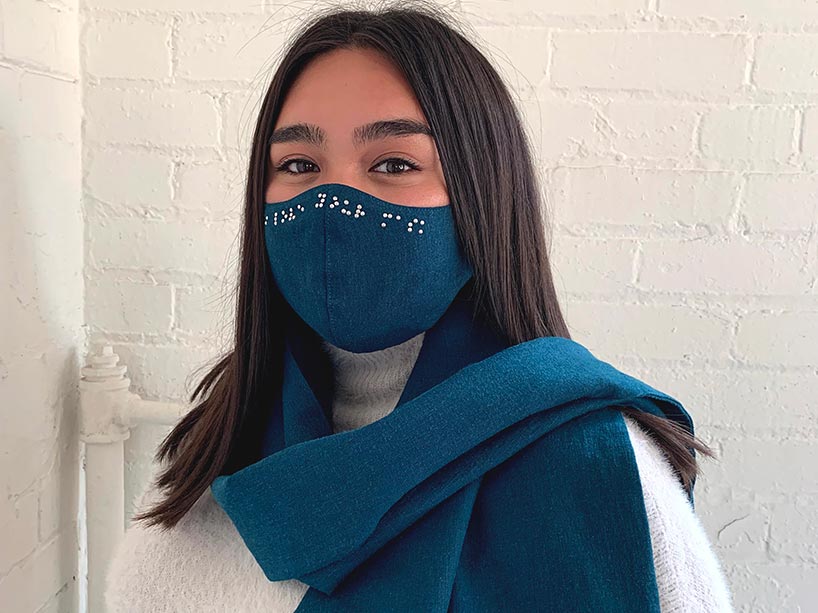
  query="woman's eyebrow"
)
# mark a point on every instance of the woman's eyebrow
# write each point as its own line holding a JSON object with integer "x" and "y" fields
{"x": 315, "y": 135}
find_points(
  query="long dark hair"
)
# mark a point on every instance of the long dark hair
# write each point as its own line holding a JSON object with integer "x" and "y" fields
{"x": 493, "y": 189}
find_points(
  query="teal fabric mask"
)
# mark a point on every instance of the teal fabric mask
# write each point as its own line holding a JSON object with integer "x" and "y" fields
{"x": 363, "y": 272}
{"x": 503, "y": 480}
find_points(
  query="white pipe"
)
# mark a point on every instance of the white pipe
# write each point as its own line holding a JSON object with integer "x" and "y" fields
{"x": 103, "y": 386}
{"x": 137, "y": 411}
{"x": 108, "y": 410}
{"x": 105, "y": 513}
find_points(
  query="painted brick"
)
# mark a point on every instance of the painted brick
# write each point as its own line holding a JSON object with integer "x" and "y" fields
{"x": 224, "y": 50}
{"x": 215, "y": 187}
{"x": 784, "y": 63}
{"x": 642, "y": 197}
{"x": 166, "y": 117}
{"x": 133, "y": 243}
{"x": 561, "y": 129}
{"x": 651, "y": 130}
{"x": 732, "y": 266}
{"x": 765, "y": 12}
{"x": 756, "y": 132}
{"x": 19, "y": 530}
{"x": 129, "y": 177}
{"x": 188, "y": 6}
{"x": 672, "y": 61}
{"x": 112, "y": 49}
{"x": 786, "y": 339}
{"x": 675, "y": 332}
{"x": 781, "y": 201}
{"x": 592, "y": 265}
{"x": 123, "y": 306}
{"x": 809, "y": 136}
{"x": 41, "y": 34}
{"x": 240, "y": 110}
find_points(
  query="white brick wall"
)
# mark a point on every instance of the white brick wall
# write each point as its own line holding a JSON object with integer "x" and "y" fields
{"x": 41, "y": 301}
{"x": 678, "y": 140}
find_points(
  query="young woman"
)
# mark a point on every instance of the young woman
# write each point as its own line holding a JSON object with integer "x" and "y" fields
{"x": 404, "y": 423}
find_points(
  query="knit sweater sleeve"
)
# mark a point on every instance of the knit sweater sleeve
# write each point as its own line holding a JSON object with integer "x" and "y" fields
{"x": 688, "y": 574}
{"x": 199, "y": 565}
{"x": 131, "y": 579}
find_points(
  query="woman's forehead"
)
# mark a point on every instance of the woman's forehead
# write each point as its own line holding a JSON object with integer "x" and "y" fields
{"x": 346, "y": 89}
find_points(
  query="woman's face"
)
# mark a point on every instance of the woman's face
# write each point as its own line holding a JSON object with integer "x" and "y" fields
{"x": 322, "y": 136}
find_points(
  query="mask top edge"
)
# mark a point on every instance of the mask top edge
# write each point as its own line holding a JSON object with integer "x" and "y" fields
{"x": 354, "y": 191}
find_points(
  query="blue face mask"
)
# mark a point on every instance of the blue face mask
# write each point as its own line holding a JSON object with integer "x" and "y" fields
{"x": 362, "y": 272}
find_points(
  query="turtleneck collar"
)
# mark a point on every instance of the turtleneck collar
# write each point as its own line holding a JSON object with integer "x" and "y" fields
{"x": 369, "y": 385}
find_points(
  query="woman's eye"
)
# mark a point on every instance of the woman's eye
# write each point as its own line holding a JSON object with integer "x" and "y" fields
{"x": 398, "y": 163}
{"x": 393, "y": 166}
{"x": 289, "y": 164}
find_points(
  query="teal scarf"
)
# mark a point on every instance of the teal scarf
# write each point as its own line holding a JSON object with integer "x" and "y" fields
{"x": 504, "y": 480}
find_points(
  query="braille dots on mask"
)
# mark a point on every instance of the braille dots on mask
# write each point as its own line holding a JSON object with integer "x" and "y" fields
{"x": 344, "y": 208}
{"x": 410, "y": 226}
{"x": 283, "y": 216}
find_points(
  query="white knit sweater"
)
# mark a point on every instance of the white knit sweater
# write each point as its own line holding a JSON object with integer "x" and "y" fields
{"x": 203, "y": 565}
